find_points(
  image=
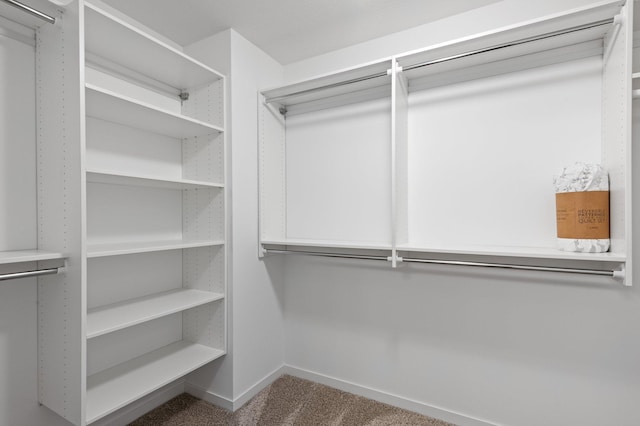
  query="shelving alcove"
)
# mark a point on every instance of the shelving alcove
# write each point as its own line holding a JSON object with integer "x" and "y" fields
{"x": 447, "y": 154}
{"x": 131, "y": 185}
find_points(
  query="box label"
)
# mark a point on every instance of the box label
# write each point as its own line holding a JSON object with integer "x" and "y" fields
{"x": 583, "y": 215}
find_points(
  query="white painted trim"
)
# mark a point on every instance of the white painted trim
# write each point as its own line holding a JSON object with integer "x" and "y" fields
{"x": 233, "y": 405}
{"x": 210, "y": 397}
{"x": 143, "y": 405}
{"x": 260, "y": 385}
{"x": 387, "y": 398}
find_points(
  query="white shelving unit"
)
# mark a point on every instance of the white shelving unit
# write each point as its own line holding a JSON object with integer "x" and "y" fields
{"x": 533, "y": 97}
{"x": 143, "y": 299}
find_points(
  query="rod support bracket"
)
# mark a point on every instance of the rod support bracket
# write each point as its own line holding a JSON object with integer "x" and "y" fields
{"x": 283, "y": 110}
{"x": 184, "y": 95}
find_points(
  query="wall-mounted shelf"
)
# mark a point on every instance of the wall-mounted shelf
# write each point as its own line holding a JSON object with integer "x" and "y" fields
{"x": 453, "y": 138}
{"x": 21, "y": 256}
{"x": 110, "y": 106}
{"x": 327, "y": 244}
{"x": 118, "y": 249}
{"x": 114, "y": 317}
{"x": 118, "y": 386}
{"x": 117, "y": 178}
{"x": 120, "y": 42}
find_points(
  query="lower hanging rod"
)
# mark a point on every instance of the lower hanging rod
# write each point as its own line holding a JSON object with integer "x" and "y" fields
{"x": 607, "y": 273}
{"x": 320, "y": 254}
{"x": 31, "y": 11}
{"x": 27, "y": 274}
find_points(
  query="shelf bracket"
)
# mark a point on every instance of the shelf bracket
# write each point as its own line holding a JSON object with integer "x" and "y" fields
{"x": 622, "y": 276}
{"x": 283, "y": 110}
{"x": 394, "y": 259}
{"x": 617, "y": 23}
{"x": 184, "y": 95}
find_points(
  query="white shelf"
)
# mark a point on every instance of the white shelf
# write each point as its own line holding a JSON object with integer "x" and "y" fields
{"x": 111, "y": 38}
{"x": 116, "y": 249}
{"x": 132, "y": 179}
{"x": 18, "y": 256}
{"x": 111, "y": 389}
{"x": 110, "y": 318}
{"x": 325, "y": 89}
{"x": 519, "y": 252}
{"x": 328, "y": 244}
{"x": 106, "y": 105}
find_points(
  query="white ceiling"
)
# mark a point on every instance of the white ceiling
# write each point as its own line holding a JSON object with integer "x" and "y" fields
{"x": 290, "y": 30}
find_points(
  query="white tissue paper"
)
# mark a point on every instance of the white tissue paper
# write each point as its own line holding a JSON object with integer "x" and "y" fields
{"x": 582, "y": 177}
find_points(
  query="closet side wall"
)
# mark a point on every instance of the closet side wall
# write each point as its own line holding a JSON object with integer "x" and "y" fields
{"x": 256, "y": 327}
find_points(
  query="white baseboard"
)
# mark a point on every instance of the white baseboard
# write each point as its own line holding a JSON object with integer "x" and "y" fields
{"x": 387, "y": 398}
{"x": 233, "y": 405}
{"x": 142, "y": 406}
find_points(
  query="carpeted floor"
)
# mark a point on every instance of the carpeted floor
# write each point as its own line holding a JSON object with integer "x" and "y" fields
{"x": 287, "y": 401}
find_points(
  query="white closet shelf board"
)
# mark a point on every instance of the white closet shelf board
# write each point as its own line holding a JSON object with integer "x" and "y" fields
{"x": 111, "y": 38}
{"x": 111, "y": 389}
{"x": 106, "y": 105}
{"x": 571, "y": 35}
{"x": 369, "y": 82}
{"x": 517, "y": 252}
{"x": 117, "y": 249}
{"x": 327, "y": 244}
{"x": 18, "y": 256}
{"x": 113, "y": 317}
{"x": 118, "y": 178}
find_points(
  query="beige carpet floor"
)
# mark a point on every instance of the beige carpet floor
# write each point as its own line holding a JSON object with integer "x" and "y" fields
{"x": 287, "y": 401}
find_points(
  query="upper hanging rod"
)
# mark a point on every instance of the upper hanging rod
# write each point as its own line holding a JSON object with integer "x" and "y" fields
{"x": 31, "y": 11}
{"x": 512, "y": 44}
{"x": 328, "y": 86}
{"x": 449, "y": 58}
{"x": 26, "y": 274}
{"x": 608, "y": 273}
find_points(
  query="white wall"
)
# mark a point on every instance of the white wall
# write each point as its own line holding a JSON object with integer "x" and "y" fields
{"x": 256, "y": 322}
{"x": 510, "y": 348}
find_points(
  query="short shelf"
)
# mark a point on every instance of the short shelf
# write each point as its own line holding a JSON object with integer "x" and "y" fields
{"x": 111, "y": 389}
{"x": 18, "y": 256}
{"x": 516, "y": 252}
{"x": 110, "y": 106}
{"x": 111, "y": 38}
{"x": 116, "y": 316}
{"x": 119, "y": 178}
{"x": 327, "y": 244}
{"x": 116, "y": 249}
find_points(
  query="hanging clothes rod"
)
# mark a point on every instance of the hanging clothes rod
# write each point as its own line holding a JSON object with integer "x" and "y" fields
{"x": 320, "y": 254}
{"x": 608, "y": 273}
{"x": 26, "y": 274}
{"x": 448, "y": 58}
{"x": 31, "y": 11}
{"x": 512, "y": 44}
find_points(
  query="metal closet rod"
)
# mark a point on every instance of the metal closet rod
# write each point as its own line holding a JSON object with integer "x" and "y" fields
{"x": 26, "y": 274}
{"x": 31, "y": 11}
{"x": 608, "y": 273}
{"x": 450, "y": 58}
